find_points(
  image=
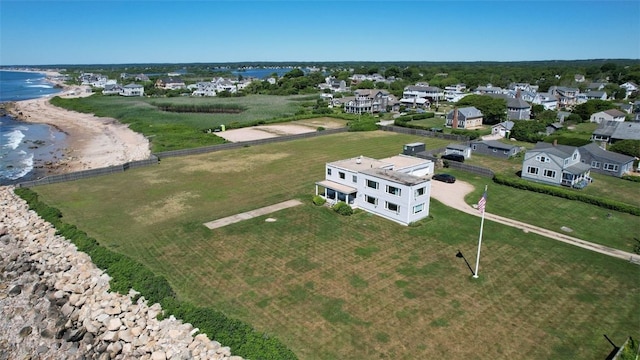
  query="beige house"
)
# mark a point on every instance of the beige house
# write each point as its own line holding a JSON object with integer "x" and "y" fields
{"x": 464, "y": 118}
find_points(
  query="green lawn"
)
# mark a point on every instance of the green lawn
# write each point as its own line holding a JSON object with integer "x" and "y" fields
{"x": 360, "y": 287}
{"x": 170, "y": 130}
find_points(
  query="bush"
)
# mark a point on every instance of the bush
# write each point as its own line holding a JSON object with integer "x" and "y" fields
{"x": 319, "y": 200}
{"x": 631, "y": 178}
{"x": 343, "y": 208}
{"x": 566, "y": 194}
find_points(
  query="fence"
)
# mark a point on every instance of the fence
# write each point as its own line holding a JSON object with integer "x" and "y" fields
{"x": 155, "y": 158}
{"x": 427, "y": 133}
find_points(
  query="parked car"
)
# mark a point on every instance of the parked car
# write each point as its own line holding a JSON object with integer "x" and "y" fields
{"x": 448, "y": 178}
{"x": 454, "y": 157}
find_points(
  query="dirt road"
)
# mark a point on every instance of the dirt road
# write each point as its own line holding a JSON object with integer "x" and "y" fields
{"x": 453, "y": 195}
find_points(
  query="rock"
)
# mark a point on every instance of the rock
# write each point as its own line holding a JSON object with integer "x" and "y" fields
{"x": 16, "y": 290}
{"x": 114, "y": 324}
{"x": 158, "y": 355}
{"x": 26, "y": 331}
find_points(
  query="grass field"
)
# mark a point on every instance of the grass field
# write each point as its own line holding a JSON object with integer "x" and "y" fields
{"x": 172, "y": 131}
{"x": 361, "y": 287}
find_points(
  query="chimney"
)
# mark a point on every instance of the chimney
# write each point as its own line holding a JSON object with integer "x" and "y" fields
{"x": 518, "y": 94}
{"x": 454, "y": 123}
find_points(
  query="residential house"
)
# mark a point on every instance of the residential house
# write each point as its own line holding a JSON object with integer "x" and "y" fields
{"x": 458, "y": 149}
{"x": 170, "y": 83}
{"x": 579, "y": 78}
{"x": 464, "y": 118}
{"x": 553, "y": 127}
{"x": 596, "y": 86}
{"x": 494, "y": 148}
{"x": 503, "y": 129}
{"x": 431, "y": 93}
{"x": 547, "y": 100}
{"x": 555, "y": 164}
{"x": 367, "y": 101}
{"x": 562, "y": 116}
{"x": 607, "y": 115}
{"x": 396, "y": 188}
{"x": 333, "y": 84}
{"x": 455, "y": 93}
{"x": 566, "y": 96}
{"x": 613, "y": 131}
{"x": 203, "y": 89}
{"x": 112, "y": 89}
{"x": 605, "y": 162}
{"x": 629, "y": 88}
{"x": 596, "y": 95}
{"x": 627, "y": 108}
{"x": 132, "y": 90}
{"x": 518, "y": 109}
{"x": 489, "y": 89}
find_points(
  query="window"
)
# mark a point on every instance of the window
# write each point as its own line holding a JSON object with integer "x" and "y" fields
{"x": 420, "y": 191}
{"x": 329, "y": 172}
{"x": 532, "y": 170}
{"x": 371, "y": 200}
{"x": 354, "y": 178}
{"x": 495, "y": 150}
{"x": 393, "y": 190}
{"x": 418, "y": 208}
{"x": 542, "y": 158}
{"x": 505, "y": 152}
{"x": 566, "y": 162}
{"x": 549, "y": 173}
{"x": 392, "y": 207}
{"x": 610, "y": 167}
{"x": 341, "y": 175}
{"x": 595, "y": 164}
{"x": 372, "y": 184}
{"x": 475, "y": 147}
{"x": 575, "y": 156}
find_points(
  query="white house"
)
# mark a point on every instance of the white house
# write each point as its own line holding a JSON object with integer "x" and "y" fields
{"x": 629, "y": 88}
{"x": 397, "y": 188}
{"x": 607, "y": 115}
{"x": 132, "y": 90}
{"x": 502, "y": 129}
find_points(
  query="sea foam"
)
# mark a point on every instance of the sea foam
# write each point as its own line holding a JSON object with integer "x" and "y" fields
{"x": 14, "y": 138}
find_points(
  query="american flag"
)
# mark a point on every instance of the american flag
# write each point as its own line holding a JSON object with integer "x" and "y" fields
{"x": 482, "y": 202}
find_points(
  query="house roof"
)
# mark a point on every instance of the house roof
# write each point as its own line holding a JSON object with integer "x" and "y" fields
{"x": 626, "y": 131}
{"x": 404, "y": 161}
{"x": 395, "y": 176}
{"x": 597, "y": 94}
{"x": 336, "y": 186}
{"x": 606, "y": 128}
{"x": 360, "y": 163}
{"x": 517, "y": 104}
{"x": 457, "y": 147}
{"x": 599, "y": 152}
{"x": 496, "y": 144}
{"x": 133, "y": 86}
{"x": 577, "y": 168}
{"x": 614, "y": 113}
{"x": 562, "y": 151}
{"x": 468, "y": 112}
{"x": 505, "y": 124}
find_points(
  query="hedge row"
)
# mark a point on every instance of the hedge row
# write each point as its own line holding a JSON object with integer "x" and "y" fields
{"x": 126, "y": 274}
{"x": 201, "y": 108}
{"x": 566, "y": 194}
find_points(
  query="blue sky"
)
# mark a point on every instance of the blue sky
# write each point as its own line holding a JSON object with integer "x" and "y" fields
{"x": 116, "y": 32}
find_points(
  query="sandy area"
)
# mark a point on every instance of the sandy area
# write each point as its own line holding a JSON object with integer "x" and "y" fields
{"x": 93, "y": 142}
{"x": 275, "y": 130}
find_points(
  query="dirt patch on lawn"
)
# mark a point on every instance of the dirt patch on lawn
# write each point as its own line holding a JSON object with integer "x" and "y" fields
{"x": 275, "y": 130}
{"x": 240, "y": 162}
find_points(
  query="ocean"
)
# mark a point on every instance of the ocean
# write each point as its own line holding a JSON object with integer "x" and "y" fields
{"x": 26, "y": 149}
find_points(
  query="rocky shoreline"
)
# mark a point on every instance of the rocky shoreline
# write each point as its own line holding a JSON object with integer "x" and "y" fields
{"x": 55, "y": 303}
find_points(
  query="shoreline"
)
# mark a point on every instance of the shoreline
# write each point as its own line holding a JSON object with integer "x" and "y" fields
{"x": 92, "y": 142}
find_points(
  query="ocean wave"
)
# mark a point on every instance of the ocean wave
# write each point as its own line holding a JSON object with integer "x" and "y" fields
{"x": 16, "y": 172}
{"x": 41, "y": 86}
{"x": 14, "y": 138}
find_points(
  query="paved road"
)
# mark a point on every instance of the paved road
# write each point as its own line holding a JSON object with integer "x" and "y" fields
{"x": 453, "y": 195}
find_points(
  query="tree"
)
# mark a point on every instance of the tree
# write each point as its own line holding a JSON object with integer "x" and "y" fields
{"x": 590, "y": 107}
{"x": 494, "y": 110}
{"x": 294, "y": 73}
{"x": 530, "y": 131}
{"x": 547, "y": 117}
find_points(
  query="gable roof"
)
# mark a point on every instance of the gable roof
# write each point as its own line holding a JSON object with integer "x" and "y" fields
{"x": 599, "y": 152}
{"x": 562, "y": 151}
{"x": 614, "y": 113}
{"x": 496, "y": 144}
{"x": 505, "y": 124}
{"x": 517, "y": 104}
{"x": 626, "y": 131}
{"x": 468, "y": 112}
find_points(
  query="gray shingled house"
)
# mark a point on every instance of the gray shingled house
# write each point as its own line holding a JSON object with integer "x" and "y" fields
{"x": 605, "y": 162}
{"x": 494, "y": 148}
{"x": 556, "y": 165}
{"x": 612, "y": 131}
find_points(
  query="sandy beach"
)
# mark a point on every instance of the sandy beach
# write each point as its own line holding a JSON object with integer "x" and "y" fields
{"x": 93, "y": 142}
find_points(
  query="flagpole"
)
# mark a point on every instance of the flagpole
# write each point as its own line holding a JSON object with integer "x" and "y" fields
{"x": 475, "y": 273}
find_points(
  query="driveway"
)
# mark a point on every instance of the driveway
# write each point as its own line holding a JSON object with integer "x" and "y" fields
{"x": 453, "y": 195}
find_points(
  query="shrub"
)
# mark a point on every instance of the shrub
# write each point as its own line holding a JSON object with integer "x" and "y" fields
{"x": 319, "y": 200}
{"x": 343, "y": 208}
{"x": 631, "y": 178}
{"x": 567, "y": 194}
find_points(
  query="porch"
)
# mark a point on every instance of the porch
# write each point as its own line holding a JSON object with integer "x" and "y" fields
{"x": 334, "y": 192}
